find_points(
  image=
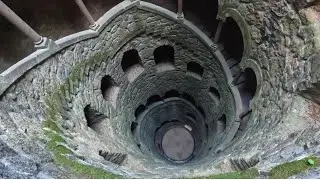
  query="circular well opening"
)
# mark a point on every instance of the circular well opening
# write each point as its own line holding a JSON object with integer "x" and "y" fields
{"x": 178, "y": 144}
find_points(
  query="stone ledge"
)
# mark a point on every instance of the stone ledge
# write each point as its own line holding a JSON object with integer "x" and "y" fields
{"x": 74, "y": 38}
{"x": 21, "y": 67}
{"x": 110, "y": 15}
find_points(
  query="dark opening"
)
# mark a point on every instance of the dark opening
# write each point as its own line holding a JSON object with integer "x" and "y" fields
{"x": 202, "y": 13}
{"x": 134, "y": 126}
{"x": 221, "y": 124}
{"x": 139, "y": 110}
{"x": 168, "y": 4}
{"x": 214, "y": 93}
{"x": 247, "y": 86}
{"x": 189, "y": 98}
{"x": 153, "y": 99}
{"x": 93, "y": 117}
{"x": 201, "y": 111}
{"x": 195, "y": 68}
{"x": 231, "y": 39}
{"x": 251, "y": 81}
{"x": 129, "y": 59}
{"x": 109, "y": 89}
{"x": 106, "y": 83}
{"x": 172, "y": 93}
{"x": 164, "y": 54}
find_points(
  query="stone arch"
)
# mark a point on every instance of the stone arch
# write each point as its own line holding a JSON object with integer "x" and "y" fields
{"x": 164, "y": 58}
{"x": 195, "y": 69}
{"x": 249, "y": 63}
{"x": 94, "y": 118}
{"x": 222, "y": 124}
{"x": 242, "y": 24}
{"x": 131, "y": 64}
{"x": 153, "y": 99}
{"x": 231, "y": 39}
{"x": 109, "y": 90}
{"x": 214, "y": 95}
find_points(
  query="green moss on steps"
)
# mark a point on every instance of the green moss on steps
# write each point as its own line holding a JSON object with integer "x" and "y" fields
{"x": 251, "y": 173}
{"x": 51, "y": 125}
{"x": 59, "y": 95}
{"x": 81, "y": 169}
{"x": 286, "y": 170}
{"x": 54, "y": 101}
{"x": 59, "y": 151}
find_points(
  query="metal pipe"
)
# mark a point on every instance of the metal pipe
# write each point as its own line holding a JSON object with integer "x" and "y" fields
{"x": 19, "y": 23}
{"x": 85, "y": 11}
{"x": 180, "y": 7}
{"x": 218, "y": 32}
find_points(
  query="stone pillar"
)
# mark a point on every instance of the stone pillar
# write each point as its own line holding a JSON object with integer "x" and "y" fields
{"x": 20, "y": 24}
{"x": 84, "y": 10}
{"x": 180, "y": 9}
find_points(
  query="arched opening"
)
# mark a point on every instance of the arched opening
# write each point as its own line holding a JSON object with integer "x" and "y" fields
{"x": 221, "y": 124}
{"x": 153, "y": 99}
{"x": 131, "y": 64}
{"x": 164, "y": 58}
{"x": 189, "y": 98}
{"x": 134, "y": 126}
{"x": 94, "y": 118}
{"x": 172, "y": 93}
{"x": 139, "y": 110}
{"x": 247, "y": 86}
{"x": 251, "y": 86}
{"x": 195, "y": 69}
{"x": 214, "y": 95}
{"x": 109, "y": 90}
{"x": 231, "y": 40}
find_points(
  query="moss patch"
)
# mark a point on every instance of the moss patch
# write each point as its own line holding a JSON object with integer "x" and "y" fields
{"x": 286, "y": 170}
{"x": 51, "y": 125}
{"x": 59, "y": 151}
{"x": 251, "y": 173}
{"x": 81, "y": 169}
{"x": 54, "y": 102}
{"x": 61, "y": 94}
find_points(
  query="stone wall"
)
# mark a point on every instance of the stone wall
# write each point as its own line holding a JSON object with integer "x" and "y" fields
{"x": 75, "y": 73}
{"x": 282, "y": 44}
{"x": 56, "y": 87}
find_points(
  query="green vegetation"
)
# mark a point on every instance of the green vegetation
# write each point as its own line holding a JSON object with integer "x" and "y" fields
{"x": 251, "y": 173}
{"x": 60, "y": 151}
{"x": 51, "y": 125}
{"x": 286, "y": 170}
{"x": 311, "y": 162}
{"x": 81, "y": 169}
{"x": 53, "y": 103}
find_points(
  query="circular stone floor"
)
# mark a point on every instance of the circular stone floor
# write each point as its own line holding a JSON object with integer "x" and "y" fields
{"x": 178, "y": 144}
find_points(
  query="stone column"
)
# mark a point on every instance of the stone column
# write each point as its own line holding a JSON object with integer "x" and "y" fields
{"x": 84, "y": 10}
{"x": 180, "y": 9}
{"x": 20, "y": 24}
